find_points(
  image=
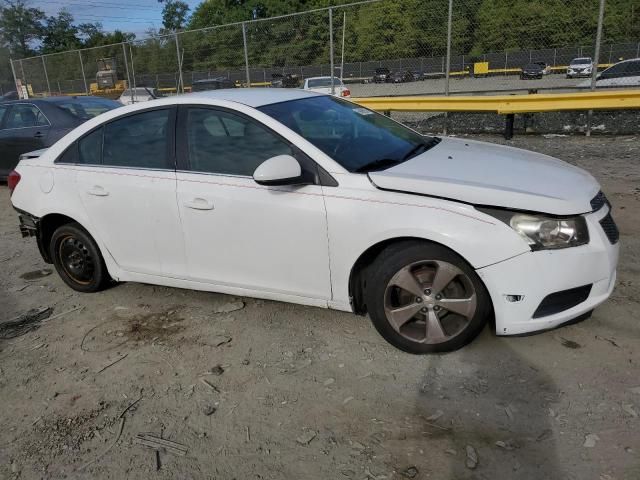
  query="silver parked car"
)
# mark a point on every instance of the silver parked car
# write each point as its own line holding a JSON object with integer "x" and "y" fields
{"x": 139, "y": 94}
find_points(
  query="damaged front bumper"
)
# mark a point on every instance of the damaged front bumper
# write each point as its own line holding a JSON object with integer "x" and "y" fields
{"x": 30, "y": 227}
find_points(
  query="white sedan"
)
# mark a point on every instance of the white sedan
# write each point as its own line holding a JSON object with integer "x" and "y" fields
{"x": 289, "y": 195}
{"x": 323, "y": 85}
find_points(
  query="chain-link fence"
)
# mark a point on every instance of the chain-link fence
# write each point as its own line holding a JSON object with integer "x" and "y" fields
{"x": 376, "y": 47}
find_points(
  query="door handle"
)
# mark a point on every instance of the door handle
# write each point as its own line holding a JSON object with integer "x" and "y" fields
{"x": 38, "y": 135}
{"x": 98, "y": 191}
{"x": 199, "y": 204}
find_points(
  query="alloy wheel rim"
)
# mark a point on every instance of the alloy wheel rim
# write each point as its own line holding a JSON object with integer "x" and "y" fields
{"x": 430, "y": 301}
{"x": 76, "y": 260}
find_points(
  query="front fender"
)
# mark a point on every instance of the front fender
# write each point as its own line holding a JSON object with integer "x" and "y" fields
{"x": 360, "y": 221}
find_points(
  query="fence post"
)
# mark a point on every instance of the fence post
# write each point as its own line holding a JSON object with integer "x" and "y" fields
{"x": 15, "y": 79}
{"x": 180, "y": 81}
{"x": 126, "y": 64}
{"x": 333, "y": 87}
{"x": 447, "y": 71}
{"x": 84, "y": 78}
{"x": 24, "y": 78}
{"x": 246, "y": 53}
{"x": 506, "y": 61}
{"x": 596, "y": 60}
{"x": 610, "y": 52}
{"x": 554, "y": 57}
{"x": 133, "y": 70}
{"x": 46, "y": 76}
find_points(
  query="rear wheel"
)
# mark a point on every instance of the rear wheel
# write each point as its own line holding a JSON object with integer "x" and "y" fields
{"x": 77, "y": 259}
{"x": 423, "y": 298}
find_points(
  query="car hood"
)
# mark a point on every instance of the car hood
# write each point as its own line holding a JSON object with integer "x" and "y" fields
{"x": 493, "y": 175}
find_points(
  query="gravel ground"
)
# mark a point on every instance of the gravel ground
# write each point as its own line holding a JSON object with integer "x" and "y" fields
{"x": 266, "y": 390}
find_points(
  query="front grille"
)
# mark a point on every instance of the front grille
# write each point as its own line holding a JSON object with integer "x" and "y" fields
{"x": 599, "y": 201}
{"x": 560, "y": 301}
{"x": 610, "y": 229}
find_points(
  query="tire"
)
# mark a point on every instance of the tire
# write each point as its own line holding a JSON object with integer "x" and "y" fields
{"x": 424, "y": 261}
{"x": 77, "y": 259}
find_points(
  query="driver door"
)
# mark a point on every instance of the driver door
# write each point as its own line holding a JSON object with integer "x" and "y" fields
{"x": 239, "y": 234}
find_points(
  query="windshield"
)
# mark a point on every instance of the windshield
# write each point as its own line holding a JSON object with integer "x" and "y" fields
{"x": 84, "y": 108}
{"x": 533, "y": 66}
{"x": 580, "y": 61}
{"x": 323, "y": 82}
{"x": 358, "y": 139}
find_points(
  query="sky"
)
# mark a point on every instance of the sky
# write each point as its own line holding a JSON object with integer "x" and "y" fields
{"x": 135, "y": 16}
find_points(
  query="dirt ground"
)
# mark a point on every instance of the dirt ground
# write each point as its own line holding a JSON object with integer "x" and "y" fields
{"x": 264, "y": 390}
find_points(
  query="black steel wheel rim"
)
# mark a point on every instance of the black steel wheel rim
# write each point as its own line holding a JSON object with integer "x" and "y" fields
{"x": 76, "y": 260}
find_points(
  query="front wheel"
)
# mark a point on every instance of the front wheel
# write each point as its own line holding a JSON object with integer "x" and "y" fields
{"x": 77, "y": 259}
{"x": 424, "y": 298}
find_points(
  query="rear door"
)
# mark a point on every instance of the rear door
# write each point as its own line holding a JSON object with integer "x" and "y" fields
{"x": 25, "y": 129}
{"x": 127, "y": 182}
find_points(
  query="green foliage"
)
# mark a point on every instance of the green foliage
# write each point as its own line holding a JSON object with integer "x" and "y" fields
{"x": 20, "y": 26}
{"x": 174, "y": 14}
{"x": 60, "y": 34}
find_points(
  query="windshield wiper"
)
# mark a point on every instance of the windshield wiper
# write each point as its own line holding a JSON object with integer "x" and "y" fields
{"x": 379, "y": 164}
{"x": 421, "y": 146}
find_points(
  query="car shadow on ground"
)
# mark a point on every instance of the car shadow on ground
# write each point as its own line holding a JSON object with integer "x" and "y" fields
{"x": 491, "y": 412}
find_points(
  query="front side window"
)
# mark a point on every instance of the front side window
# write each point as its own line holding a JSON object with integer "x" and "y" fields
{"x": 139, "y": 141}
{"x": 23, "y": 116}
{"x": 228, "y": 144}
{"x": 615, "y": 71}
{"x": 358, "y": 139}
{"x": 633, "y": 68}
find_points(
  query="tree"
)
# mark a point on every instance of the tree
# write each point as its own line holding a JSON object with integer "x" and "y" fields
{"x": 20, "y": 26}
{"x": 174, "y": 14}
{"x": 60, "y": 34}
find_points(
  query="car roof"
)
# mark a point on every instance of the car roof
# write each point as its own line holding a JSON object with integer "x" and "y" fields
{"x": 628, "y": 60}
{"x": 254, "y": 97}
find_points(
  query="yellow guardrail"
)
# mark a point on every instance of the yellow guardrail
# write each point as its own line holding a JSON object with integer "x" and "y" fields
{"x": 507, "y": 104}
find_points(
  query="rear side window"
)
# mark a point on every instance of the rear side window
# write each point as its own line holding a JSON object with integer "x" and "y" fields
{"x": 3, "y": 111}
{"x": 140, "y": 140}
{"x": 90, "y": 148}
{"x": 23, "y": 116}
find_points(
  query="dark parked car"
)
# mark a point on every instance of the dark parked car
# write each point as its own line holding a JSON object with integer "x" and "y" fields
{"x": 532, "y": 70}
{"x": 211, "y": 84}
{"x": 382, "y": 75}
{"x": 33, "y": 124}
{"x": 12, "y": 95}
{"x": 402, "y": 77}
{"x": 288, "y": 80}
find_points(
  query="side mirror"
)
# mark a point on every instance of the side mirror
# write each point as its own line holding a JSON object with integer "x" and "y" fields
{"x": 278, "y": 170}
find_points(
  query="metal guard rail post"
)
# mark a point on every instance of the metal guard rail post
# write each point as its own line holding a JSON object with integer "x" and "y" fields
{"x": 508, "y": 105}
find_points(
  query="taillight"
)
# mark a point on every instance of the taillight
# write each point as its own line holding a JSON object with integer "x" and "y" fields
{"x": 346, "y": 92}
{"x": 12, "y": 181}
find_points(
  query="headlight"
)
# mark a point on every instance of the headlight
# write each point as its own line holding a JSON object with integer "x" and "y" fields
{"x": 544, "y": 232}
